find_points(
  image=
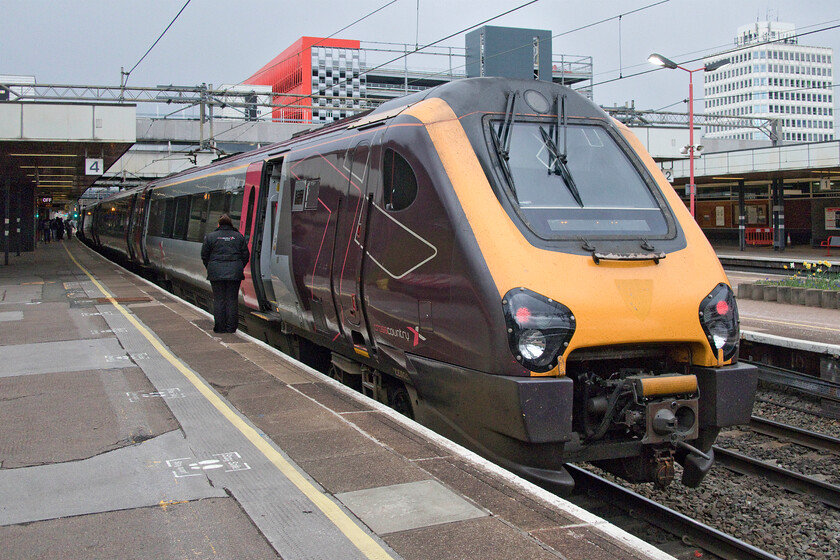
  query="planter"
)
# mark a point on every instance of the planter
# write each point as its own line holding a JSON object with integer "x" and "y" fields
{"x": 745, "y": 291}
{"x": 798, "y": 296}
{"x": 784, "y": 294}
{"x": 812, "y": 297}
{"x": 828, "y": 299}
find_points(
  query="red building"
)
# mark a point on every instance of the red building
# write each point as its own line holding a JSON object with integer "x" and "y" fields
{"x": 312, "y": 67}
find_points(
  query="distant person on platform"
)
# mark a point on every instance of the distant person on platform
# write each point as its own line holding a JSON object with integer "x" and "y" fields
{"x": 57, "y": 226}
{"x": 225, "y": 254}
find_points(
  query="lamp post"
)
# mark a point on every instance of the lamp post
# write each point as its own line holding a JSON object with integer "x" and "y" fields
{"x": 660, "y": 60}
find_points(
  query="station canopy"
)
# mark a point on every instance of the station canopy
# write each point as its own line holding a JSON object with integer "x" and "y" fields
{"x": 61, "y": 149}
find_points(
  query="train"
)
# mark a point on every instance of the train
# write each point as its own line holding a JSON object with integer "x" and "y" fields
{"x": 496, "y": 258}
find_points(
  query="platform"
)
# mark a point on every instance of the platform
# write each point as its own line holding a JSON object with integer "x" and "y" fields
{"x": 128, "y": 429}
{"x": 793, "y": 326}
{"x": 763, "y": 256}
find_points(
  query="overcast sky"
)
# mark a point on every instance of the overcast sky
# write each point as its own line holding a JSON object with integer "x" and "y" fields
{"x": 86, "y": 42}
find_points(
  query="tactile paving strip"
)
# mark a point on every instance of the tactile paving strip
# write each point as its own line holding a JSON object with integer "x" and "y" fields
{"x": 228, "y": 460}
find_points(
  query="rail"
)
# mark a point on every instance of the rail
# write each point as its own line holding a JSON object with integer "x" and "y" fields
{"x": 808, "y": 384}
{"x": 829, "y": 494}
{"x": 805, "y": 438}
{"x": 675, "y": 523}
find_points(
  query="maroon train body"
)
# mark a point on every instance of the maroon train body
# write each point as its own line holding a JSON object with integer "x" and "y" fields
{"x": 496, "y": 258}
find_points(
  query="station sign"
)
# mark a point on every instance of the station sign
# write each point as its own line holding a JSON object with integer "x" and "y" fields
{"x": 94, "y": 166}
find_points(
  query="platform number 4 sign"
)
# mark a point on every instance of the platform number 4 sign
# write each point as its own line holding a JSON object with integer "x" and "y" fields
{"x": 94, "y": 166}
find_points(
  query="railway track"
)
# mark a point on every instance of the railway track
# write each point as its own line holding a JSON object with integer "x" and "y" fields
{"x": 805, "y": 438}
{"x": 802, "y": 382}
{"x": 826, "y": 493}
{"x": 741, "y": 463}
{"x": 690, "y": 532}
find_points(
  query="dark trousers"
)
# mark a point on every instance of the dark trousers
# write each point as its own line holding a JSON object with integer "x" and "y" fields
{"x": 225, "y": 305}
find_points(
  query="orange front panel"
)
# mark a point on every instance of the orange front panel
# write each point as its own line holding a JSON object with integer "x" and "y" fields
{"x": 613, "y": 302}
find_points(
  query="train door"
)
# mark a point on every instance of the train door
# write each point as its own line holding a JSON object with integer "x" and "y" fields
{"x": 287, "y": 303}
{"x": 261, "y": 240}
{"x": 131, "y": 209}
{"x": 276, "y": 247}
{"x": 349, "y": 247}
{"x": 247, "y": 225}
{"x": 142, "y": 209}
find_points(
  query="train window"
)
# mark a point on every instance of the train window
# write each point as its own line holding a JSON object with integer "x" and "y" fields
{"x": 216, "y": 209}
{"x": 168, "y": 217}
{"x": 182, "y": 217}
{"x": 198, "y": 217}
{"x": 235, "y": 207}
{"x": 298, "y": 195}
{"x": 400, "y": 182}
{"x": 252, "y": 194}
{"x": 310, "y": 202}
{"x": 577, "y": 181}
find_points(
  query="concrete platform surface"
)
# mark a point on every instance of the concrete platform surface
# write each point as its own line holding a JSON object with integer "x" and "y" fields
{"x": 128, "y": 429}
{"x": 783, "y": 324}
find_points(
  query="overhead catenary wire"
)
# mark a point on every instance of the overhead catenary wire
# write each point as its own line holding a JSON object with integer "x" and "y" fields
{"x": 348, "y": 26}
{"x": 723, "y": 53}
{"x": 588, "y": 25}
{"x": 718, "y": 49}
{"x": 330, "y": 36}
{"x": 404, "y": 55}
{"x": 127, "y": 74}
{"x": 426, "y": 46}
{"x": 420, "y": 48}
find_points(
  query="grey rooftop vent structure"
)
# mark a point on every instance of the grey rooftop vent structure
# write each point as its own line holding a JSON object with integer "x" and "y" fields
{"x": 507, "y": 52}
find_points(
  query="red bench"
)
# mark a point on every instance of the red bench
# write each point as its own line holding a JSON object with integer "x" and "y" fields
{"x": 833, "y": 242}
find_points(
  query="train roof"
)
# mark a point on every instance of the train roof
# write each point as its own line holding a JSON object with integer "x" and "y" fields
{"x": 466, "y": 96}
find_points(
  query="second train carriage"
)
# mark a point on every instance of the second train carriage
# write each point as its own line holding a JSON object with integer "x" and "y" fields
{"x": 497, "y": 258}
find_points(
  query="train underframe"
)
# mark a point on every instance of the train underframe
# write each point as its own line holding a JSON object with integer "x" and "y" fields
{"x": 630, "y": 411}
{"x": 601, "y": 412}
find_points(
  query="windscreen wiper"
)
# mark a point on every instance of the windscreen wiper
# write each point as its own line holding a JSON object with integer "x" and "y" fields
{"x": 560, "y": 105}
{"x": 501, "y": 139}
{"x": 559, "y": 166}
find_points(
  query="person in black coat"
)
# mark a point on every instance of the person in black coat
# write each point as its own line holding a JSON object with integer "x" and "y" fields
{"x": 225, "y": 254}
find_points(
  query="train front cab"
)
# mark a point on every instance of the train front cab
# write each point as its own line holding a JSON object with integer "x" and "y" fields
{"x": 618, "y": 349}
{"x": 393, "y": 244}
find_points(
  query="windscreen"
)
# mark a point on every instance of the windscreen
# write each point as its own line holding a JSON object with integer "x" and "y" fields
{"x": 575, "y": 181}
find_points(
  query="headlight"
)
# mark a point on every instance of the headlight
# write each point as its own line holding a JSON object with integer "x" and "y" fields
{"x": 531, "y": 344}
{"x": 539, "y": 329}
{"x": 719, "y": 318}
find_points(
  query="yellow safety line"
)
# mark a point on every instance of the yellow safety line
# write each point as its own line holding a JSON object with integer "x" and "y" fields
{"x": 364, "y": 542}
{"x": 788, "y": 323}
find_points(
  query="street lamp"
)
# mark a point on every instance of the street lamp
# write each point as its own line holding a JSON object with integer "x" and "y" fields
{"x": 660, "y": 60}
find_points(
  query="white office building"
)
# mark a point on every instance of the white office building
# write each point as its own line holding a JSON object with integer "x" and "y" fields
{"x": 772, "y": 76}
